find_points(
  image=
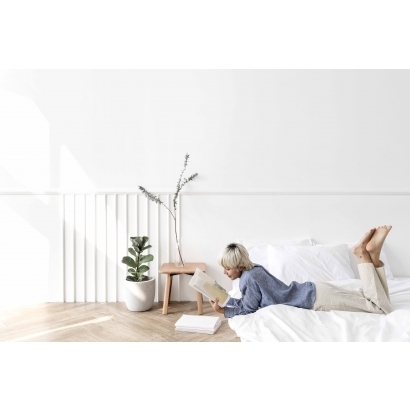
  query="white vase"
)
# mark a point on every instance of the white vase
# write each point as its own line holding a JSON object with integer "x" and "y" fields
{"x": 139, "y": 296}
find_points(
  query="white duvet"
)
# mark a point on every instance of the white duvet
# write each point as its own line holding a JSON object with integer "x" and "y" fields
{"x": 282, "y": 323}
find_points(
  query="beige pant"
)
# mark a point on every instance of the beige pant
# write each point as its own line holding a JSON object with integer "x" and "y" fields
{"x": 373, "y": 297}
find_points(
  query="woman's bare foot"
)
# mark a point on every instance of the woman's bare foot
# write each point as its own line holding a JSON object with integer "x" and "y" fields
{"x": 374, "y": 246}
{"x": 360, "y": 248}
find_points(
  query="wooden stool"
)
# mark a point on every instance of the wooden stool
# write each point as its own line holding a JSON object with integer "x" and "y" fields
{"x": 171, "y": 270}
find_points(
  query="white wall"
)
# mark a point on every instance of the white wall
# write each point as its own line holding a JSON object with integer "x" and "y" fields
{"x": 247, "y": 132}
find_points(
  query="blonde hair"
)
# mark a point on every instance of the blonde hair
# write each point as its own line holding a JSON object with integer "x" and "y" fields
{"x": 235, "y": 256}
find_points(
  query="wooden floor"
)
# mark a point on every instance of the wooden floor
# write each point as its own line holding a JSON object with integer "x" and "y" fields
{"x": 104, "y": 322}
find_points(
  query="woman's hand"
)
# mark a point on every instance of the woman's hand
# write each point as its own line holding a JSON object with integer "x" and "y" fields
{"x": 216, "y": 307}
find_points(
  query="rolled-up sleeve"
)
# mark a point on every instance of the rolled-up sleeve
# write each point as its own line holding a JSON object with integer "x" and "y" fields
{"x": 249, "y": 303}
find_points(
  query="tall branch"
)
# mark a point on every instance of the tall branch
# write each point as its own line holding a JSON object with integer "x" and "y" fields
{"x": 154, "y": 198}
{"x": 180, "y": 184}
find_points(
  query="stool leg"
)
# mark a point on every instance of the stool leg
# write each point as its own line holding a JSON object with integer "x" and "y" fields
{"x": 199, "y": 302}
{"x": 170, "y": 288}
{"x": 166, "y": 294}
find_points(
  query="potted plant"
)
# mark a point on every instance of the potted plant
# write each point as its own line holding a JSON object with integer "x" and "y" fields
{"x": 139, "y": 287}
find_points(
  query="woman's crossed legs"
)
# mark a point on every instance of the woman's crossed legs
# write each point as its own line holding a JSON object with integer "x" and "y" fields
{"x": 373, "y": 297}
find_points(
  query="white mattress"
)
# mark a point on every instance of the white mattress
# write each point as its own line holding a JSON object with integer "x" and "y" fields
{"x": 280, "y": 323}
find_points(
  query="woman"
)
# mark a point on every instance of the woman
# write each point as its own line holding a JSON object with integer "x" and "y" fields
{"x": 260, "y": 289}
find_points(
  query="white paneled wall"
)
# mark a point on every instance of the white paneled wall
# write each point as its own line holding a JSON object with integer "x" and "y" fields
{"x": 68, "y": 246}
{"x": 95, "y": 236}
{"x": 97, "y": 227}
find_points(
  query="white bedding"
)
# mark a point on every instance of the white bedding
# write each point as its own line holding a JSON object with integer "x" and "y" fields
{"x": 282, "y": 323}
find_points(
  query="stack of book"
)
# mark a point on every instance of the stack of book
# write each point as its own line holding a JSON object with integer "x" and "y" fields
{"x": 199, "y": 324}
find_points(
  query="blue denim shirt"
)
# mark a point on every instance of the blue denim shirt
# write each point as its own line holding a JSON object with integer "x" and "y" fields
{"x": 260, "y": 289}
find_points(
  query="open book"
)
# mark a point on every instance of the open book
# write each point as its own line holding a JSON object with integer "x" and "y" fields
{"x": 209, "y": 287}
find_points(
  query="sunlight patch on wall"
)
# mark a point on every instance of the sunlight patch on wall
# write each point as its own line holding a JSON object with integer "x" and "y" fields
{"x": 72, "y": 175}
{"x": 24, "y": 144}
{"x": 24, "y": 260}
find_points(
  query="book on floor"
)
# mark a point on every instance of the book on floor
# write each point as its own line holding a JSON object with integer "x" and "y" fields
{"x": 198, "y": 324}
{"x": 203, "y": 283}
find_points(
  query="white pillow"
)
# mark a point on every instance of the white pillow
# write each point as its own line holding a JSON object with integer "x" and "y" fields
{"x": 339, "y": 251}
{"x": 258, "y": 252}
{"x": 309, "y": 263}
{"x": 354, "y": 262}
{"x": 248, "y": 243}
{"x": 235, "y": 292}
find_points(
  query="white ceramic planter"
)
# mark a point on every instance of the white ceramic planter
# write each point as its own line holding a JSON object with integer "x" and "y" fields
{"x": 139, "y": 296}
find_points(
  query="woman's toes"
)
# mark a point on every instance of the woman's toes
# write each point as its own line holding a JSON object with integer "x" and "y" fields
{"x": 376, "y": 242}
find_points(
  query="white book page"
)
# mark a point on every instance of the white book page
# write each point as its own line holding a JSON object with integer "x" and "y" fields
{"x": 209, "y": 287}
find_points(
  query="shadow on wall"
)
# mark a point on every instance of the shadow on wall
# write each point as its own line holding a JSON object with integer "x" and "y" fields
{"x": 24, "y": 166}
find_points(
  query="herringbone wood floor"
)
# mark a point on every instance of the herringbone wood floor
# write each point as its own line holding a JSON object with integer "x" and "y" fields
{"x": 105, "y": 322}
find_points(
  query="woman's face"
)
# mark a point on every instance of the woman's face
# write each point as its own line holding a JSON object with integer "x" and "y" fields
{"x": 233, "y": 273}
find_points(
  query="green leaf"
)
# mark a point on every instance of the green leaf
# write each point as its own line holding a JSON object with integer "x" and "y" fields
{"x": 132, "y": 278}
{"x": 136, "y": 241}
{"x": 141, "y": 278}
{"x": 129, "y": 261}
{"x": 146, "y": 258}
{"x": 131, "y": 270}
{"x": 142, "y": 269}
{"x": 132, "y": 252}
{"x": 148, "y": 246}
{"x": 150, "y": 196}
{"x": 138, "y": 244}
{"x": 144, "y": 240}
